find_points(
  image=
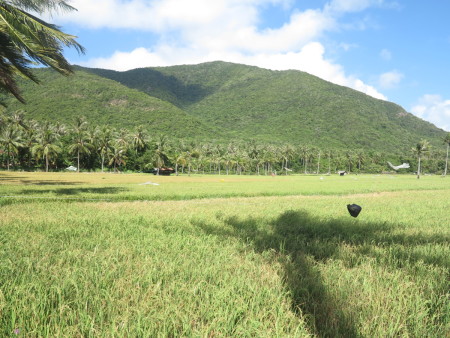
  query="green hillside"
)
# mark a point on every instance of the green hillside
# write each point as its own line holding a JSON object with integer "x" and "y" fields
{"x": 242, "y": 102}
{"x": 103, "y": 102}
{"x": 280, "y": 106}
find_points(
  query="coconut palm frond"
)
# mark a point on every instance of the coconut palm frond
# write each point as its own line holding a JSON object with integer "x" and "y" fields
{"x": 12, "y": 63}
{"x": 26, "y": 40}
{"x": 41, "y": 6}
{"x": 39, "y": 39}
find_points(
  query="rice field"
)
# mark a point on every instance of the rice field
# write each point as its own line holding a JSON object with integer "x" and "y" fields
{"x": 135, "y": 255}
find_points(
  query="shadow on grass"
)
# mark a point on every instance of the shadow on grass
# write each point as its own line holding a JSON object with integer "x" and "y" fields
{"x": 9, "y": 178}
{"x": 301, "y": 242}
{"x": 74, "y": 191}
{"x": 45, "y": 182}
{"x": 61, "y": 194}
{"x": 22, "y": 181}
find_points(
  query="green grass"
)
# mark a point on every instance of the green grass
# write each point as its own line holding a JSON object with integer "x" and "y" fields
{"x": 111, "y": 187}
{"x": 247, "y": 256}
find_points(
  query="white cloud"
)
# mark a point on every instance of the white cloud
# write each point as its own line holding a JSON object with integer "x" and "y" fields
{"x": 138, "y": 58}
{"x": 221, "y": 24}
{"x": 435, "y": 109}
{"x": 162, "y": 15}
{"x": 390, "y": 79}
{"x": 205, "y": 30}
{"x": 351, "y": 5}
{"x": 358, "y": 5}
{"x": 386, "y": 54}
{"x": 347, "y": 46}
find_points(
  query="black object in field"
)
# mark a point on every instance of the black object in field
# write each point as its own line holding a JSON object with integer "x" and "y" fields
{"x": 354, "y": 209}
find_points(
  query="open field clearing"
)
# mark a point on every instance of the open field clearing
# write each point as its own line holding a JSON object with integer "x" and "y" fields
{"x": 105, "y": 255}
{"x": 128, "y": 187}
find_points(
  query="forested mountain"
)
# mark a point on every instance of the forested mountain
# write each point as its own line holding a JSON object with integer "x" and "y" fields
{"x": 103, "y": 102}
{"x": 227, "y": 102}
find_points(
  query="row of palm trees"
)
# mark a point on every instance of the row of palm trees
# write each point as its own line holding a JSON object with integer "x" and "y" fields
{"x": 29, "y": 144}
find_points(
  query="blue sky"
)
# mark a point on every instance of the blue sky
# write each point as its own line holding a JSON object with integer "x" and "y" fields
{"x": 396, "y": 50}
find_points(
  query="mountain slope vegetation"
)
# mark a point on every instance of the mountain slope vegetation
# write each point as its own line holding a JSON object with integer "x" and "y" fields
{"x": 103, "y": 102}
{"x": 227, "y": 102}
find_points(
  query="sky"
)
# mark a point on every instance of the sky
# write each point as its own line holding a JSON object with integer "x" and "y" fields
{"x": 395, "y": 50}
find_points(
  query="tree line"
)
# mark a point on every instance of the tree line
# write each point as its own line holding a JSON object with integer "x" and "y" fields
{"x": 26, "y": 144}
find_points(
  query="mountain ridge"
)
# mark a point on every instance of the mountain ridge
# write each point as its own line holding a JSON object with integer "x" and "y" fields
{"x": 225, "y": 101}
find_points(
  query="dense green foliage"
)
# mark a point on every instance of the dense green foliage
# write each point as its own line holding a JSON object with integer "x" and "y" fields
{"x": 27, "y": 144}
{"x": 226, "y": 102}
{"x": 280, "y": 106}
{"x": 105, "y": 255}
{"x": 105, "y": 102}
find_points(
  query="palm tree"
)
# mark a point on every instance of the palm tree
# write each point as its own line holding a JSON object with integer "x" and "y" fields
{"x": 241, "y": 159}
{"x": 376, "y": 157}
{"x": 219, "y": 151}
{"x": 228, "y": 157}
{"x": 447, "y": 142}
{"x": 287, "y": 152}
{"x": 350, "y": 159}
{"x": 339, "y": 160}
{"x": 122, "y": 139}
{"x": 420, "y": 149}
{"x": 104, "y": 145}
{"x": 118, "y": 157}
{"x": 318, "y": 161}
{"x": 139, "y": 140}
{"x": 11, "y": 139}
{"x": 160, "y": 152}
{"x": 206, "y": 158}
{"x": 200, "y": 158}
{"x": 259, "y": 162}
{"x": 329, "y": 154}
{"x": 80, "y": 123}
{"x": 178, "y": 158}
{"x": 253, "y": 153}
{"x": 361, "y": 157}
{"x": 18, "y": 120}
{"x": 186, "y": 161}
{"x": 269, "y": 159}
{"x": 311, "y": 155}
{"x": 92, "y": 136}
{"x": 30, "y": 137}
{"x": 3, "y": 122}
{"x": 194, "y": 157}
{"x": 26, "y": 40}
{"x": 60, "y": 129}
{"x": 305, "y": 152}
{"x": 228, "y": 161}
{"x": 92, "y": 139}
{"x": 80, "y": 140}
{"x": 46, "y": 146}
